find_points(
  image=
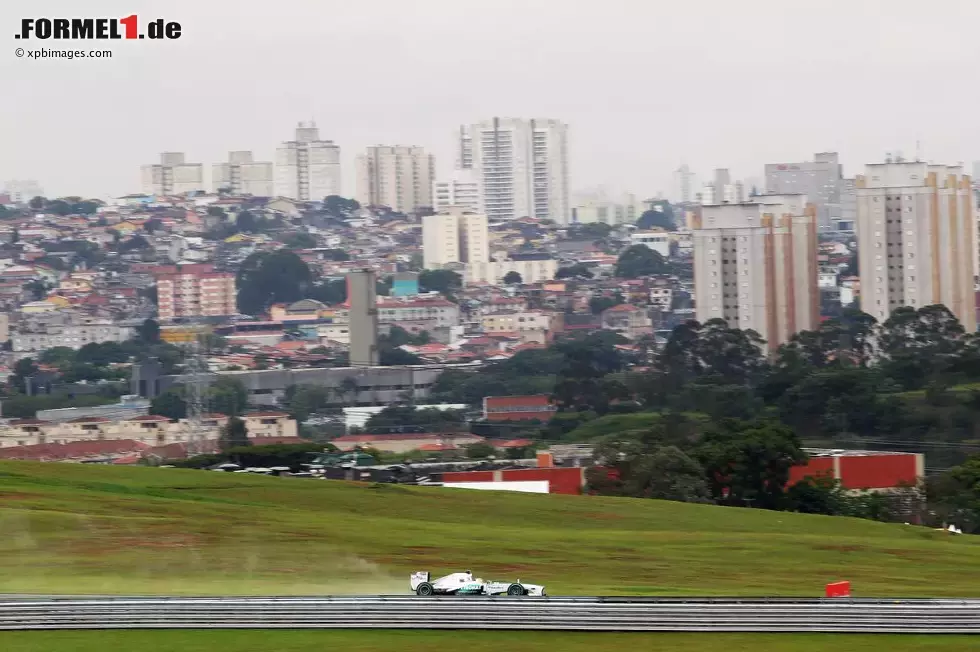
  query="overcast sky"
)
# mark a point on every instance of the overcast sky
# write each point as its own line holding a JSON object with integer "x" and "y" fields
{"x": 643, "y": 84}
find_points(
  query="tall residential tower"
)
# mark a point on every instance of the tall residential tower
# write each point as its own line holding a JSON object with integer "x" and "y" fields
{"x": 172, "y": 176}
{"x": 307, "y": 168}
{"x": 398, "y": 177}
{"x": 521, "y": 167}
{"x": 755, "y": 266}
{"x": 243, "y": 176}
{"x": 917, "y": 240}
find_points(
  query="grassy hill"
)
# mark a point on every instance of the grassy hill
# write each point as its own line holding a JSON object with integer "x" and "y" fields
{"x": 69, "y": 528}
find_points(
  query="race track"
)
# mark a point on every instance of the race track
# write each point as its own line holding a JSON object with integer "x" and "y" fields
{"x": 448, "y": 612}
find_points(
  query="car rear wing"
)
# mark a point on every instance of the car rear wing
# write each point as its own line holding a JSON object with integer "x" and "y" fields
{"x": 419, "y": 577}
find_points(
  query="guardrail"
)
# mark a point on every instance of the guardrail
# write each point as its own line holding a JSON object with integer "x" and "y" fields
{"x": 474, "y": 612}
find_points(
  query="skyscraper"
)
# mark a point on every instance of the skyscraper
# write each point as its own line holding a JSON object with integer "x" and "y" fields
{"x": 172, "y": 176}
{"x": 821, "y": 180}
{"x": 243, "y": 176}
{"x": 307, "y": 168}
{"x": 398, "y": 177}
{"x": 917, "y": 241}
{"x": 521, "y": 167}
{"x": 755, "y": 266}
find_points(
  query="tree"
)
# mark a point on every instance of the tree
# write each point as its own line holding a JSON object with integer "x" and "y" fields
{"x": 303, "y": 401}
{"x": 339, "y": 207}
{"x": 153, "y": 225}
{"x": 598, "y": 305}
{"x": 228, "y": 396}
{"x": 149, "y": 332}
{"x": 444, "y": 281}
{"x": 266, "y": 278}
{"x": 513, "y": 278}
{"x": 480, "y": 450}
{"x": 246, "y": 222}
{"x": 578, "y": 270}
{"x": 661, "y": 215}
{"x": 299, "y": 240}
{"x": 23, "y": 369}
{"x": 337, "y": 255}
{"x": 234, "y": 435}
{"x": 217, "y": 211}
{"x": 170, "y": 404}
{"x": 748, "y": 462}
{"x": 37, "y": 203}
{"x": 640, "y": 260}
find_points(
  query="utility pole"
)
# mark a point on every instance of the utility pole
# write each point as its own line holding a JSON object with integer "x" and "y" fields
{"x": 197, "y": 385}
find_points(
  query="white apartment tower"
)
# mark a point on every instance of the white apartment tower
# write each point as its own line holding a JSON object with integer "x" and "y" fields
{"x": 172, "y": 176}
{"x": 521, "y": 167}
{"x": 241, "y": 175}
{"x": 307, "y": 168}
{"x": 454, "y": 237}
{"x": 685, "y": 185}
{"x": 461, "y": 189}
{"x": 398, "y": 177}
{"x": 755, "y": 266}
{"x": 917, "y": 240}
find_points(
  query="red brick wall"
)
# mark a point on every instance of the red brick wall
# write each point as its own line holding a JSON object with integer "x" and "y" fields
{"x": 562, "y": 480}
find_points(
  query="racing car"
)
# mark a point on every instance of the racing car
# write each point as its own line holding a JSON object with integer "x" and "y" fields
{"x": 465, "y": 584}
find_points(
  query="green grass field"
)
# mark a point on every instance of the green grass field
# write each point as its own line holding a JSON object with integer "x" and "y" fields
{"x": 68, "y": 528}
{"x": 416, "y": 641}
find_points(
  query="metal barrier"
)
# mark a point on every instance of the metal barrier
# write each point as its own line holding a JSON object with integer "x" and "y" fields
{"x": 475, "y": 612}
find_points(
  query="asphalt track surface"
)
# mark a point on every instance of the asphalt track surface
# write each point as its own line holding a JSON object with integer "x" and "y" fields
{"x": 623, "y": 614}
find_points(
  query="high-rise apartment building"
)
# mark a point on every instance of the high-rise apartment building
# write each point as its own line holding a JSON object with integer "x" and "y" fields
{"x": 917, "y": 240}
{"x": 820, "y": 180}
{"x": 722, "y": 190}
{"x": 521, "y": 167}
{"x": 22, "y": 191}
{"x": 398, "y": 177}
{"x": 599, "y": 207}
{"x": 455, "y": 237}
{"x": 172, "y": 176}
{"x": 685, "y": 185}
{"x": 307, "y": 168}
{"x": 195, "y": 291}
{"x": 755, "y": 266}
{"x": 242, "y": 175}
{"x": 460, "y": 190}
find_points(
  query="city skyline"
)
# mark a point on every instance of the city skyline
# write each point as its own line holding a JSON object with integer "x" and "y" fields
{"x": 633, "y": 144}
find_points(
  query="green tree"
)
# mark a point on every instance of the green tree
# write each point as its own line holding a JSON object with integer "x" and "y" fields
{"x": 266, "y": 278}
{"x": 234, "y": 435}
{"x": 337, "y": 255}
{"x": 748, "y": 463}
{"x": 149, "y": 332}
{"x": 37, "y": 203}
{"x": 640, "y": 260}
{"x": 227, "y": 395}
{"x": 480, "y": 450}
{"x": 661, "y": 216}
{"x": 339, "y": 207}
{"x": 303, "y": 401}
{"x": 299, "y": 240}
{"x": 246, "y": 222}
{"x": 513, "y": 278}
{"x": 578, "y": 270}
{"x": 217, "y": 211}
{"x": 440, "y": 280}
{"x": 170, "y": 404}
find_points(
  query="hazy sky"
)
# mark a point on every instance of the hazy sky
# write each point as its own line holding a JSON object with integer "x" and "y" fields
{"x": 644, "y": 84}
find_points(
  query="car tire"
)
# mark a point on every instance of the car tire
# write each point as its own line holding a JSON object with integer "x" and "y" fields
{"x": 425, "y": 589}
{"x": 516, "y": 589}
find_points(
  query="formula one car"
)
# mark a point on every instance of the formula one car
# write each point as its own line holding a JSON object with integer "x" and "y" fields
{"x": 465, "y": 584}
